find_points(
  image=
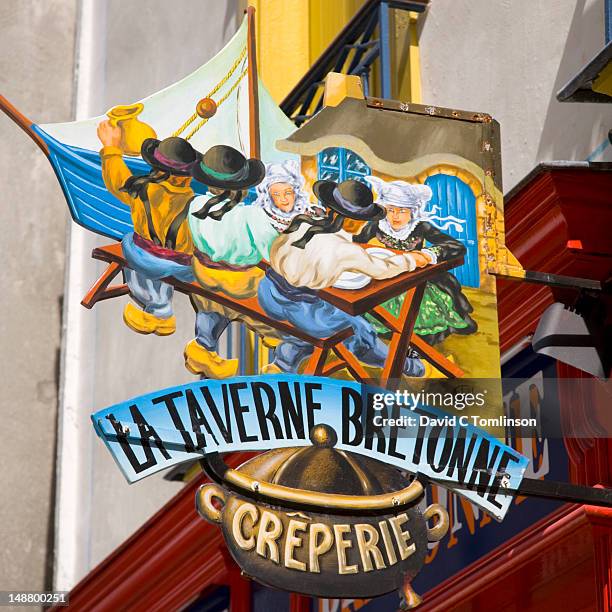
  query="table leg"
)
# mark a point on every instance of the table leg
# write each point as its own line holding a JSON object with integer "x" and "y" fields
{"x": 101, "y": 289}
{"x": 447, "y": 367}
{"x": 352, "y": 363}
{"x": 316, "y": 362}
{"x": 400, "y": 341}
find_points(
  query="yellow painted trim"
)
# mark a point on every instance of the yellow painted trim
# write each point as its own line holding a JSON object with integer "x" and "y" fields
{"x": 327, "y": 18}
{"x": 292, "y": 34}
{"x": 250, "y": 348}
{"x": 416, "y": 95}
{"x": 406, "y": 57}
{"x": 603, "y": 83}
{"x": 339, "y": 86}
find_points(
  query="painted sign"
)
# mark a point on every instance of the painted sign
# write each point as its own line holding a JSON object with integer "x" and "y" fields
{"x": 158, "y": 430}
{"x": 359, "y": 246}
{"x": 330, "y": 535}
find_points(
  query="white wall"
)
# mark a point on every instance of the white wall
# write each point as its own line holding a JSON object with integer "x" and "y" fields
{"x": 126, "y": 51}
{"x": 36, "y": 75}
{"x": 510, "y": 58}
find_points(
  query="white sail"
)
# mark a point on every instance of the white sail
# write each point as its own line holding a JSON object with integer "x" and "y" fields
{"x": 167, "y": 110}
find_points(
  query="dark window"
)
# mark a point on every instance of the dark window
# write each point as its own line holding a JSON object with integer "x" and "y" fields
{"x": 214, "y": 600}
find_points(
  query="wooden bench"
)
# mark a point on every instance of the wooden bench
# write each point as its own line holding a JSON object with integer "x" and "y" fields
{"x": 317, "y": 364}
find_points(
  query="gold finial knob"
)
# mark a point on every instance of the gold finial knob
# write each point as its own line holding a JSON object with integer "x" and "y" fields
{"x": 206, "y": 108}
{"x": 323, "y": 436}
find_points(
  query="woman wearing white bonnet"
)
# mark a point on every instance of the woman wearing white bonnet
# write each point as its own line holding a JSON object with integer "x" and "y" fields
{"x": 407, "y": 227}
{"x": 282, "y": 195}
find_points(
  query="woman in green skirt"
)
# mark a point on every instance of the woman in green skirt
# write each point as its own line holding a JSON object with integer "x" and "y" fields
{"x": 444, "y": 309}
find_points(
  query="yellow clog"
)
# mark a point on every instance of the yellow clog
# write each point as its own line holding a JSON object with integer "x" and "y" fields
{"x": 271, "y": 368}
{"x": 145, "y": 323}
{"x": 201, "y": 361}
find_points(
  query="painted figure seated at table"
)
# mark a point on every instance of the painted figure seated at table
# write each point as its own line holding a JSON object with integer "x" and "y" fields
{"x": 406, "y": 226}
{"x": 231, "y": 238}
{"x": 311, "y": 255}
{"x": 160, "y": 245}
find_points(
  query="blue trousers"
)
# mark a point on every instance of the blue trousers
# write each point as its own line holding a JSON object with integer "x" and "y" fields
{"x": 208, "y": 328}
{"x": 321, "y": 319}
{"x": 143, "y": 278}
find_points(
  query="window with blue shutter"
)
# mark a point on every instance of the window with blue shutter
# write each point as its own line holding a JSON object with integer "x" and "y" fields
{"x": 339, "y": 164}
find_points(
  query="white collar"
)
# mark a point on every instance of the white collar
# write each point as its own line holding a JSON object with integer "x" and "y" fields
{"x": 385, "y": 227}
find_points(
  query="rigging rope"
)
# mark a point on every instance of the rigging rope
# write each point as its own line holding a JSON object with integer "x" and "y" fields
{"x": 223, "y": 99}
{"x": 217, "y": 87}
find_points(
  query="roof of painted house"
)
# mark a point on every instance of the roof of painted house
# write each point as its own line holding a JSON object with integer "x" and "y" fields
{"x": 390, "y": 140}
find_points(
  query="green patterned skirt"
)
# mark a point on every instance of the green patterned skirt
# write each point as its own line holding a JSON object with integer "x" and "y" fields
{"x": 436, "y": 314}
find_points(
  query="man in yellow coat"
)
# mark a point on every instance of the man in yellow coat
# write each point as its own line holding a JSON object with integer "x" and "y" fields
{"x": 161, "y": 244}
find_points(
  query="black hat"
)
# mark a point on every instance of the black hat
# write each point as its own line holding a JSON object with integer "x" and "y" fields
{"x": 227, "y": 168}
{"x": 351, "y": 199}
{"x": 174, "y": 155}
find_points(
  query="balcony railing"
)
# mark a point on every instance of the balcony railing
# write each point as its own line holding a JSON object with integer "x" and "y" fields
{"x": 363, "y": 41}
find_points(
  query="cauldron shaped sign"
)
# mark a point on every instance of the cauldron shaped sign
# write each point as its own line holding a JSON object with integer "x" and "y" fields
{"x": 321, "y": 521}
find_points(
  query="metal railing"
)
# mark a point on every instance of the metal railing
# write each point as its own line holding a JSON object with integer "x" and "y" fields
{"x": 363, "y": 40}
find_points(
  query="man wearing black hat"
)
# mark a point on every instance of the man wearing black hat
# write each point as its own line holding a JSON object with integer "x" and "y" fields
{"x": 161, "y": 244}
{"x": 230, "y": 239}
{"x": 312, "y": 255}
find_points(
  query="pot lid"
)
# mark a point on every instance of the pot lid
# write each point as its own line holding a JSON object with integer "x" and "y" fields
{"x": 325, "y": 469}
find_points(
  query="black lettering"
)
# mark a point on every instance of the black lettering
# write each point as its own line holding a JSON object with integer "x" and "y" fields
{"x": 168, "y": 399}
{"x": 432, "y": 446}
{"x": 418, "y": 444}
{"x": 351, "y": 414}
{"x": 145, "y": 431}
{"x": 138, "y": 467}
{"x": 392, "y": 450}
{"x": 292, "y": 410}
{"x": 264, "y": 415}
{"x": 311, "y": 404}
{"x": 460, "y": 458}
{"x": 239, "y": 410}
{"x": 196, "y": 415}
{"x": 483, "y": 467}
{"x": 224, "y": 427}
{"x": 372, "y": 429}
{"x": 501, "y": 469}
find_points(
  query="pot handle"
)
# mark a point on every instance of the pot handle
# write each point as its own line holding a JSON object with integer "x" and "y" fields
{"x": 438, "y": 531}
{"x": 204, "y": 502}
{"x": 245, "y": 485}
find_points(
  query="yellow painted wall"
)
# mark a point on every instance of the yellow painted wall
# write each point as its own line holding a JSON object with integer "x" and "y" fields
{"x": 327, "y": 18}
{"x": 405, "y": 56}
{"x": 292, "y": 34}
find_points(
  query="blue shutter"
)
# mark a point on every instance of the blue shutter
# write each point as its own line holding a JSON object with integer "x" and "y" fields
{"x": 454, "y": 198}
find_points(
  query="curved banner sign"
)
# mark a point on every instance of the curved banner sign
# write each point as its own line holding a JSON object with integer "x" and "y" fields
{"x": 158, "y": 430}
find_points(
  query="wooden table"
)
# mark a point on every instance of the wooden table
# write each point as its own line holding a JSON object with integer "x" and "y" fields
{"x": 370, "y": 298}
{"x": 352, "y": 301}
{"x": 317, "y": 364}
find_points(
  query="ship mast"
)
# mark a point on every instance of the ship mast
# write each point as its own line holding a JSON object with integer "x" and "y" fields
{"x": 253, "y": 83}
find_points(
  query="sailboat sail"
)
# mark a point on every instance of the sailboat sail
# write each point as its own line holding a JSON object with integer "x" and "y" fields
{"x": 73, "y": 147}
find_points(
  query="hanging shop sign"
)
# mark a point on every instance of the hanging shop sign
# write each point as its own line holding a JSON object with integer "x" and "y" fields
{"x": 360, "y": 251}
{"x": 329, "y": 508}
{"x": 335, "y": 535}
